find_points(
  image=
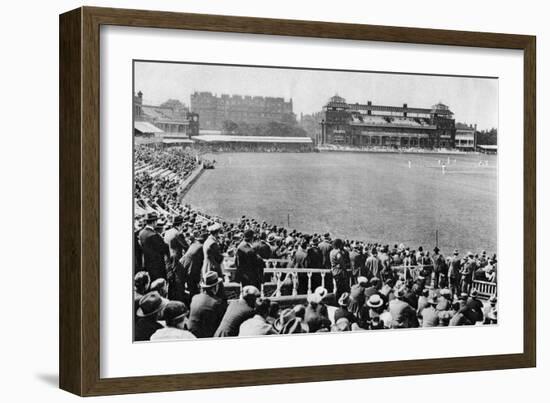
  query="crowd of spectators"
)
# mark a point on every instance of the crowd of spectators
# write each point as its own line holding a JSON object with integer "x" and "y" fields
{"x": 185, "y": 261}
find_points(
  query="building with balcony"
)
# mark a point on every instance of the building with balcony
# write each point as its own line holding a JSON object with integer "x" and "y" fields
{"x": 174, "y": 119}
{"x": 388, "y": 126}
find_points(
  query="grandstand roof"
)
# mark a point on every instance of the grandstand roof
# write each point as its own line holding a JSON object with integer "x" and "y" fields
{"x": 174, "y": 141}
{"x": 223, "y": 138}
{"x": 146, "y": 127}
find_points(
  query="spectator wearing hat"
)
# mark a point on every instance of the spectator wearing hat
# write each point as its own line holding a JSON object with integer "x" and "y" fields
{"x": 490, "y": 312}
{"x": 376, "y": 313}
{"x": 384, "y": 258}
{"x": 474, "y": 307}
{"x": 403, "y": 314}
{"x": 141, "y": 287}
{"x": 316, "y": 314}
{"x": 258, "y": 325}
{"x": 150, "y": 306}
{"x": 467, "y": 273}
{"x": 300, "y": 261}
{"x": 288, "y": 323}
{"x": 423, "y": 300}
{"x": 213, "y": 257}
{"x": 174, "y": 238}
{"x": 237, "y": 312}
{"x": 192, "y": 263}
{"x": 160, "y": 285}
{"x": 250, "y": 266}
{"x": 357, "y": 261}
{"x": 207, "y": 309}
{"x": 440, "y": 269}
{"x": 261, "y": 247}
{"x": 454, "y": 273}
{"x": 429, "y": 316}
{"x": 325, "y": 247}
{"x": 175, "y": 315}
{"x": 338, "y": 268}
{"x": 342, "y": 310}
{"x": 138, "y": 251}
{"x": 459, "y": 318}
{"x": 155, "y": 251}
{"x": 373, "y": 265}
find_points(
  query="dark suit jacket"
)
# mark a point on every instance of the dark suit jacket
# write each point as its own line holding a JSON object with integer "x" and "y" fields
{"x": 315, "y": 257}
{"x": 250, "y": 266}
{"x": 213, "y": 257}
{"x": 325, "y": 249}
{"x": 155, "y": 251}
{"x": 263, "y": 249}
{"x": 357, "y": 263}
{"x": 205, "y": 314}
{"x": 145, "y": 327}
{"x": 373, "y": 266}
{"x": 237, "y": 312}
{"x": 192, "y": 265}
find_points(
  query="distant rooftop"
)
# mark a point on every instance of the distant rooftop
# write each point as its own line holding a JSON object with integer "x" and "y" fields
{"x": 220, "y": 138}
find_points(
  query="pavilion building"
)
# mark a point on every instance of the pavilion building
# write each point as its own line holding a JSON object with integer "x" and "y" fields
{"x": 388, "y": 126}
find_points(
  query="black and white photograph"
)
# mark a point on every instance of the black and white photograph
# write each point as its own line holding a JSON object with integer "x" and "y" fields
{"x": 270, "y": 200}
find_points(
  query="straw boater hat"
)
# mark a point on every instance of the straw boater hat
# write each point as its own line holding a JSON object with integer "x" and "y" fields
{"x": 210, "y": 279}
{"x": 361, "y": 280}
{"x": 375, "y": 301}
{"x": 150, "y": 304}
{"x": 250, "y": 290}
{"x": 318, "y": 295}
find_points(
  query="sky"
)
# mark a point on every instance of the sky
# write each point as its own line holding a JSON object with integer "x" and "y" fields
{"x": 473, "y": 100}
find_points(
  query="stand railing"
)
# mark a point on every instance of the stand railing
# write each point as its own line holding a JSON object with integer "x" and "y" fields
{"x": 279, "y": 276}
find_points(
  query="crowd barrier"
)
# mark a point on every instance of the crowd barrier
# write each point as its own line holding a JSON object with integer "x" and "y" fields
{"x": 279, "y": 275}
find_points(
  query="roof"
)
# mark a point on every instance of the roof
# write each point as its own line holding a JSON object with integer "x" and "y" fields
{"x": 146, "y": 127}
{"x": 487, "y": 147}
{"x": 175, "y": 141}
{"x": 222, "y": 138}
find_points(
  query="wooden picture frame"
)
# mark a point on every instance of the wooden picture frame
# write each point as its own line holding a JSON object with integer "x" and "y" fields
{"x": 79, "y": 346}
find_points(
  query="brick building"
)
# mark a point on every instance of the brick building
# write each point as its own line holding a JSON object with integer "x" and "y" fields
{"x": 380, "y": 125}
{"x": 173, "y": 118}
{"x": 215, "y": 110}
